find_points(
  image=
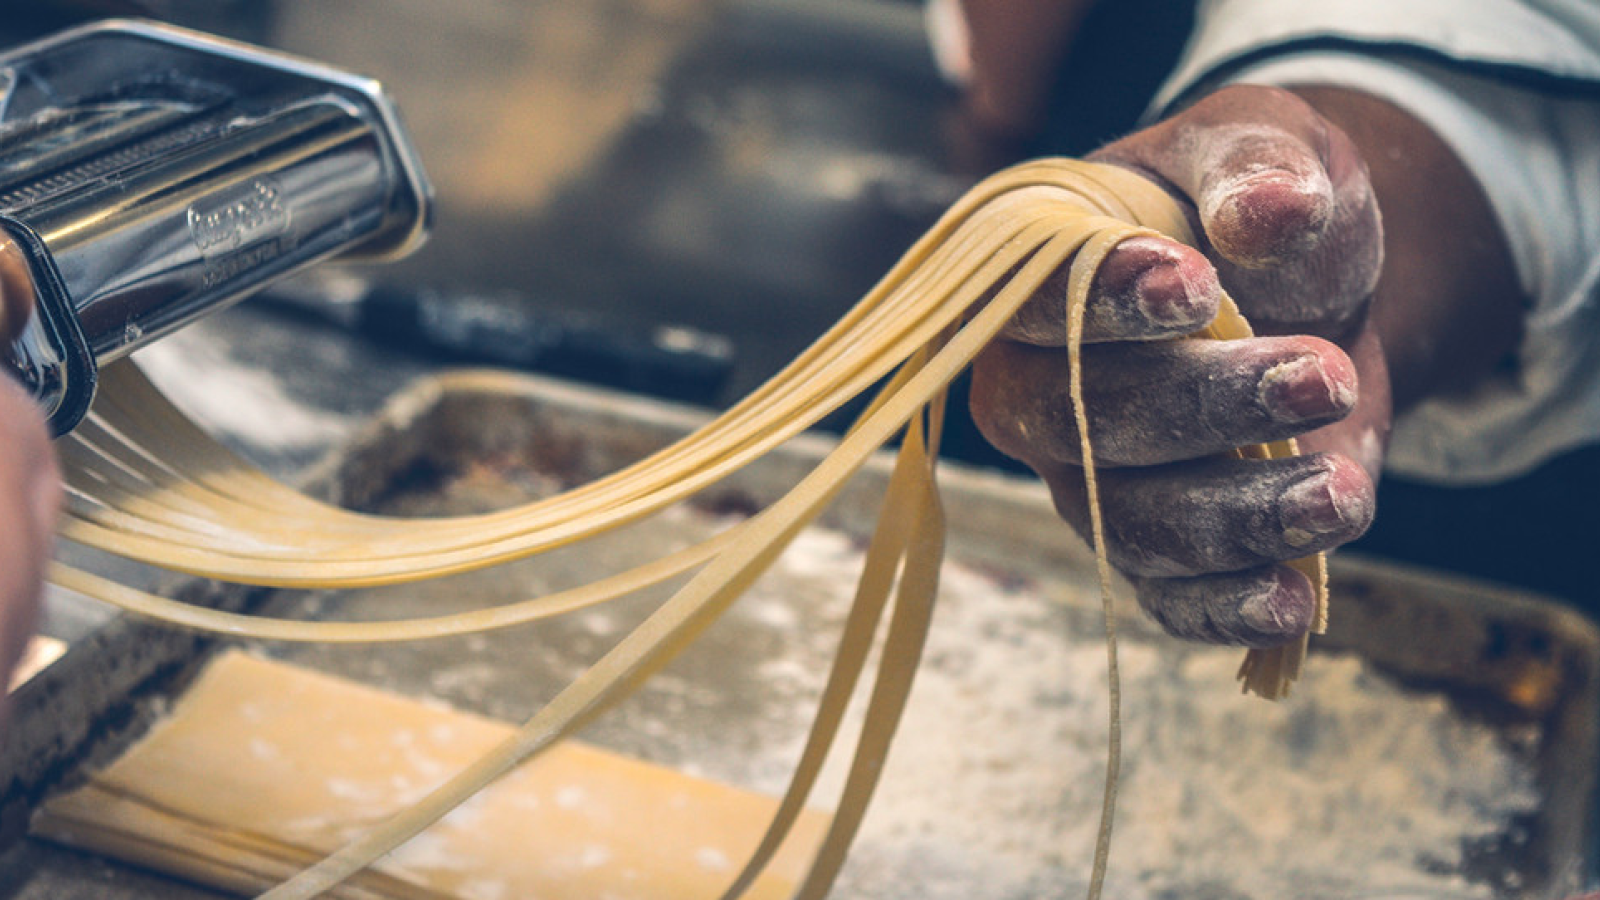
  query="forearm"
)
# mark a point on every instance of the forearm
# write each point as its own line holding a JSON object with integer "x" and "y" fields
{"x": 1014, "y": 48}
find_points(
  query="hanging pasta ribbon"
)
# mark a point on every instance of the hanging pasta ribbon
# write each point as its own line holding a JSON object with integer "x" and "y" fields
{"x": 146, "y": 483}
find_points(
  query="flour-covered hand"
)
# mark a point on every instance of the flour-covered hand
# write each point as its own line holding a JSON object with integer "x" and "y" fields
{"x": 1290, "y": 229}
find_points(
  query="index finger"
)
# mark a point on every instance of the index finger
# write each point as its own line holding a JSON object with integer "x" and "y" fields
{"x": 1145, "y": 288}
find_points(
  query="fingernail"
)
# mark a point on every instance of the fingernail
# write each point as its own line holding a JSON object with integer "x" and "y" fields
{"x": 1311, "y": 508}
{"x": 1301, "y": 390}
{"x": 1171, "y": 297}
{"x": 1264, "y": 216}
{"x": 1276, "y": 614}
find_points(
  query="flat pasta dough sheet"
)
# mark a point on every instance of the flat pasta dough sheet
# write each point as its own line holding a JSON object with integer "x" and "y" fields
{"x": 264, "y": 767}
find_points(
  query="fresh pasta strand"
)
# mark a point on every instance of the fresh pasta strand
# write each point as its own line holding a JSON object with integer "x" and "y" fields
{"x": 146, "y": 483}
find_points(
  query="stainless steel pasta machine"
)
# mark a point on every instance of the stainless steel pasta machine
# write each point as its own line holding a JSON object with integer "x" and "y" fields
{"x": 149, "y": 175}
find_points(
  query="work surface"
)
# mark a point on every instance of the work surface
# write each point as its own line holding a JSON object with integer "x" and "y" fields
{"x": 1453, "y": 765}
{"x": 1443, "y": 744}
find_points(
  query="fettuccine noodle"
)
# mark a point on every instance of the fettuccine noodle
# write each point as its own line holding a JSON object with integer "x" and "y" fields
{"x": 147, "y": 484}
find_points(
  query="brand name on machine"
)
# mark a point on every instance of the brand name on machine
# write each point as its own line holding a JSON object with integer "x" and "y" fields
{"x": 242, "y": 216}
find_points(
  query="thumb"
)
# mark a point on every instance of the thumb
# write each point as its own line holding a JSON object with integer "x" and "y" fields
{"x": 1263, "y": 195}
{"x": 1283, "y": 200}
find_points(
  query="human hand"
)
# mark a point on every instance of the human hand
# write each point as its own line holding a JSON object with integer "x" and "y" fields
{"x": 30, "y": 493}
{"x": 1290, "y": 227}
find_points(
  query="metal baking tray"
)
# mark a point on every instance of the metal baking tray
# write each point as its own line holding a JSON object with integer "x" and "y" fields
{"x": 1442, "y": 745}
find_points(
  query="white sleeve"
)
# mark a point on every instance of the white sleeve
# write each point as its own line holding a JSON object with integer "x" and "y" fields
{"x": 1534, "y": 146}
{"x": 949, "y": 40}
{"x": 1544, "y": 40}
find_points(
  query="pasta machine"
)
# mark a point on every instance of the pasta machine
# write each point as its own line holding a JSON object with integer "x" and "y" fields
{"x": 150, "y": 174}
